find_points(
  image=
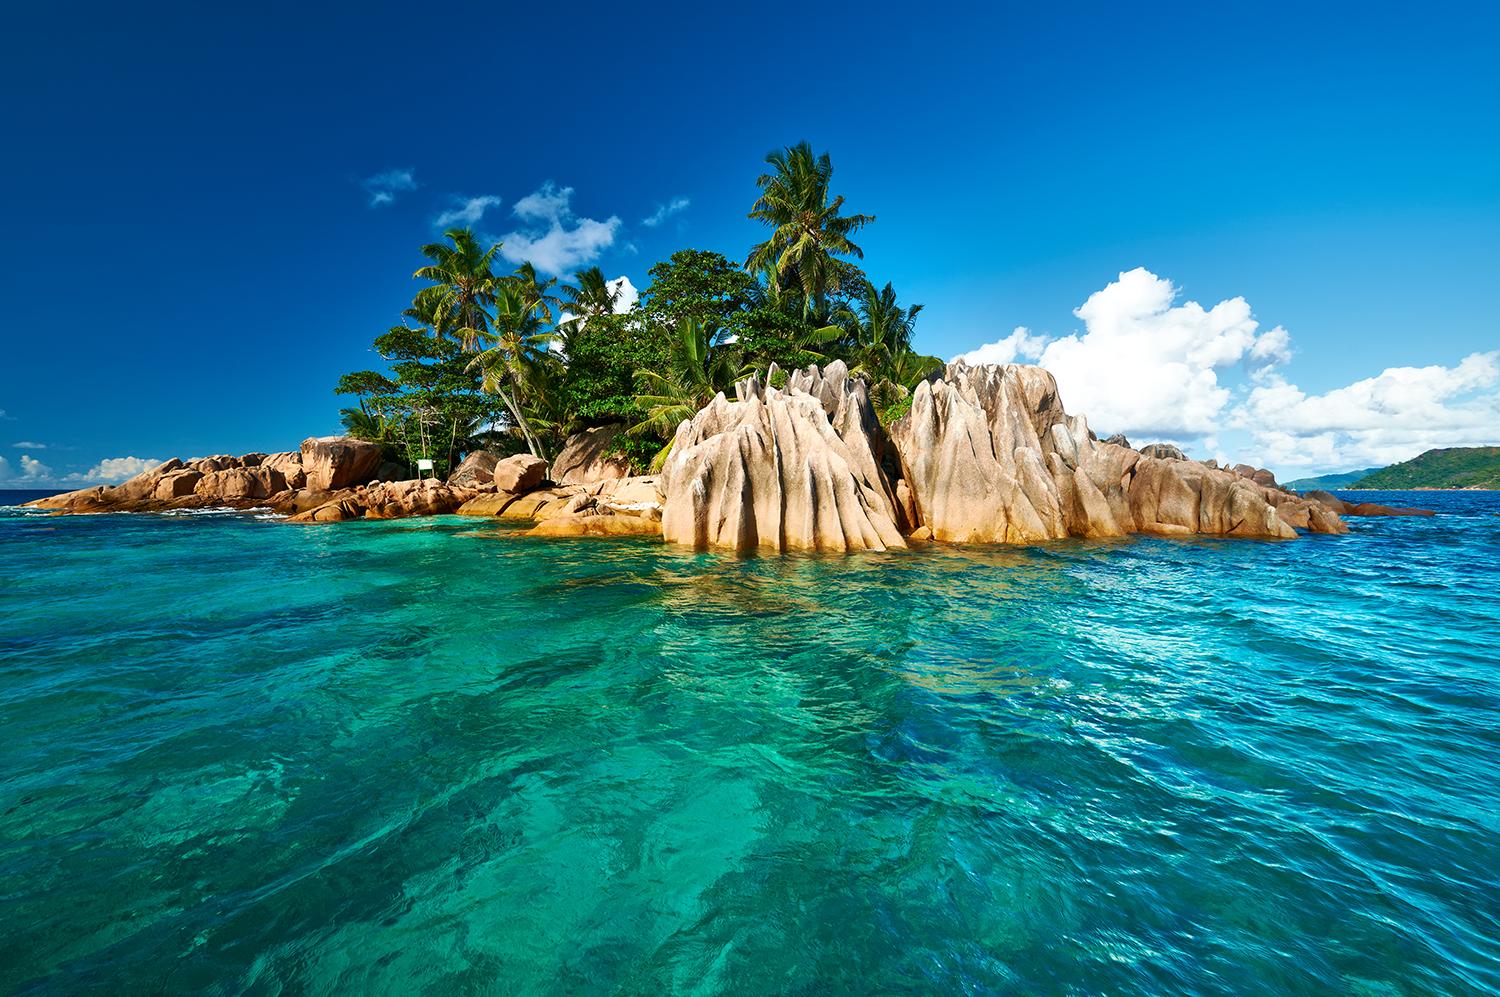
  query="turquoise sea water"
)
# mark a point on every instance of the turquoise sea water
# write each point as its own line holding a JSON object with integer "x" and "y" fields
{"x": 238, "y": 756}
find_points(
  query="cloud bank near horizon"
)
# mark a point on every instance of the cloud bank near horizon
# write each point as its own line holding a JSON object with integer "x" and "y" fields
{"x": 1154, "y": 369}
{"x": 29, "y": 472}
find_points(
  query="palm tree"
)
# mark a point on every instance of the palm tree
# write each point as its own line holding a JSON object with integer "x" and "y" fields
{"x": 591, "y": 296}
{"x": 464, "y": 281}
{"x": 535, "y": 291}
{"x": 808, "y": 234}
{"x": 430, "y": 312}
{"x": 876, "y": 322}
{"x": 699, "y": 370}
{"x": 519, "y": 344}
{"x": 362, "y": 424}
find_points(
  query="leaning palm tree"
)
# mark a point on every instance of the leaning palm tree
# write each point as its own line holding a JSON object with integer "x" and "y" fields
{"x": 698, "y": 370}
{"x": 519, "y": 344}
{"x": 808, "y": 235}
{"x": 464, "y": 284}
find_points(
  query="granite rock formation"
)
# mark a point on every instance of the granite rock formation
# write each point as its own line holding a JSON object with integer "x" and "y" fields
{"x": 339, "y": 461}
{"x": 519, "y": 473}
{"x": 990, "y": 455}
{"x": 782, "y": 469}
{"x": 476, "y": 471}
{"x": 250, "y": 480}
{"x": 586, "y": 457}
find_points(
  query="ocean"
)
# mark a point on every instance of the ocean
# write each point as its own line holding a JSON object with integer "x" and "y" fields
{"x": 433, "y": 756}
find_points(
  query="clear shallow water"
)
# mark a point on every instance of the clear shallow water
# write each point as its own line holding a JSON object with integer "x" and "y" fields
{"x": 432, "y": 757}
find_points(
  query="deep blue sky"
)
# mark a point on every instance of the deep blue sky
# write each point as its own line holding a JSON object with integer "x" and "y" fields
{"x": 190, "y": 261}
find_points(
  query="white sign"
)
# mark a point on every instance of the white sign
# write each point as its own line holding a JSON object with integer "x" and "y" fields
{"x": 423, "y": 464}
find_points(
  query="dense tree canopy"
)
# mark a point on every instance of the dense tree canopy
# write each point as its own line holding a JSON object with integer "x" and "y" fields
{"x": 513, "y": 362}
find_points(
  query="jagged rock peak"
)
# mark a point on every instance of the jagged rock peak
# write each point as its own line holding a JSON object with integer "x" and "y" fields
{"x": 792, "y": 468}
{"x": 990, "y": 455}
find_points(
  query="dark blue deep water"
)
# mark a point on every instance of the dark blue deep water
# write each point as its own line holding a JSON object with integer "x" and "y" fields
{"x": 432, "y": 757}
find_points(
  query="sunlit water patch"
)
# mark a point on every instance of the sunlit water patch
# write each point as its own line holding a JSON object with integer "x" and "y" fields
{"x": 436, "y": 757}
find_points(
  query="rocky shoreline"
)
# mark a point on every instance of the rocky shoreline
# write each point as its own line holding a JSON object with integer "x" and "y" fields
{"x": 986, "y": 454}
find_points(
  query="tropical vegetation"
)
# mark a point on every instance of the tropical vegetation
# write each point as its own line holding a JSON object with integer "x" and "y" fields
{"x": 1453, "y": 467}
{"x": 509, "y": 361}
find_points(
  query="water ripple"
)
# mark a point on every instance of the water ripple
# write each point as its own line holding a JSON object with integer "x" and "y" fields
{"x": 429, "y": 757}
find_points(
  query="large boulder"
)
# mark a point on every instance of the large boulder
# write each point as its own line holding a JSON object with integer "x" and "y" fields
{"x": 638, "y": 496}
{"x": 331, "y": 462}
{"x": 289, "y": 464}
{"x": 240, "y": 483}
{"x": 520, "y": 473}
{"x": 384, "y": 500}
{"x": 177, "y": 484}
{"x": 586, "y": 458}
{"x": 476, "y": 471}
{"x": 782, "y": 469}
{"x": 990, "y": 455}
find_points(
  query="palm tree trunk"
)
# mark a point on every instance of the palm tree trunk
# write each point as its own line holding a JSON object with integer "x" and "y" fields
{"x": 532, "y": 443}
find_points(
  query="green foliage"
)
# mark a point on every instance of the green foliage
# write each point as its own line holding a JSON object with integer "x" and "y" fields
{"x": 895, "y": 410}
{"x": 699, "y": 285}
{"x": 501, "y": 361}
{"x": 640, "y": 451}
{"x": 602, "y": 360}
{"x": 698, "y": 367}
{"x": 1456, "y": 467}
{"x": 808, "y": 233}
{"x": 432, "y": 405}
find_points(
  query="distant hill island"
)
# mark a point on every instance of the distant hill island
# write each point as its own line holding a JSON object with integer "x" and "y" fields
{"x": 1455, "y": 467}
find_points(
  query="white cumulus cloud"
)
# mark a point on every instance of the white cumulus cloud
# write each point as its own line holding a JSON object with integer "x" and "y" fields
{"x": 113, "y": 470}
{"x": 28, "y": 471}
{"x": 1393, "y": 416}
{"x": 551, "y": 237}
{"x": 1156, "y": 369}
{"x": 467, "y": 211}
{"x": 625, "y": 294}
{"x": 1021, "y": 346}
{"x": 29, "y": 445}
{"x": 1145, "y": 365}
{"x": 676, "y": 206}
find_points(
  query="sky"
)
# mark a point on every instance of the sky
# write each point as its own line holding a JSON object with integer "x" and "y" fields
{"x": 1267, "y": 233}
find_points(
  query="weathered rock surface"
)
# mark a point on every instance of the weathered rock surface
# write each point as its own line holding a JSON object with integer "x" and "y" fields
{"x": 1342, "y": 508}
{"x": 519, "y": 473}
{"x": 476, "y": 471}
{"x": 387, "y": 500}
{"x": 339, "y": 461}
{"x": 595, "y": 523}
{"x": 203, "y": 482}
{"x": 1162, "y": 451}
{"x": 782, "y": 469}
{"x": 585, "y": 458}
{"x": 990, "y": 455}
